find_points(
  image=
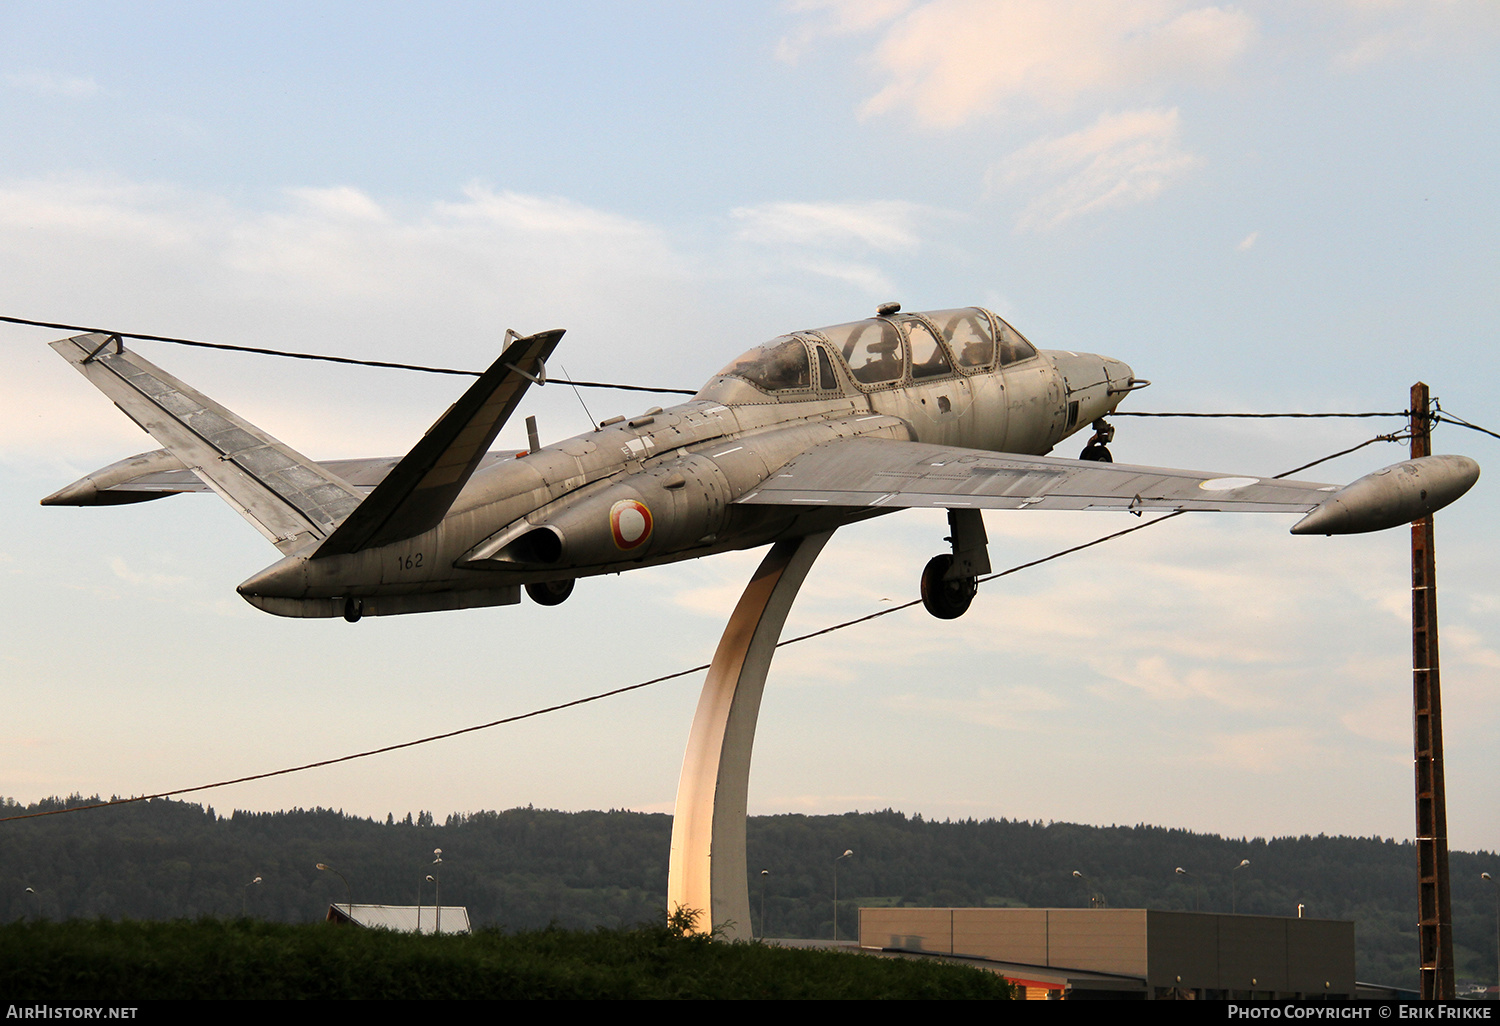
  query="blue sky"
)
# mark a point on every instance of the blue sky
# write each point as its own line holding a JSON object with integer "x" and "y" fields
{"x": 1258, "y": 206}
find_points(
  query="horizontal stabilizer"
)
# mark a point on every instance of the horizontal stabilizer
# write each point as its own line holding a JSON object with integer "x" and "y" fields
{"x": 289, "y": 498}
{"x": 418, "y": 492}
{"x": 157, "y": 474}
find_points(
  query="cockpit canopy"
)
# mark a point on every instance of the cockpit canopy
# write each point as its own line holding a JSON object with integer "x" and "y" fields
{"x": 882, "y": 352}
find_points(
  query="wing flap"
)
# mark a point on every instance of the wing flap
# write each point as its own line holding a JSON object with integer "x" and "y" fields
{"x": 287, "y": 497}
{"x": 885, "y": 472}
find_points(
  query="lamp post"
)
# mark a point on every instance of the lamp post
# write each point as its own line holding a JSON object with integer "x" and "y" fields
{"x": 1196, "y": 888}
{"x": 1096, "y": 898}
{"x": 350, "y": 890}
{"x": 1491, "y": 879}
{"x": 245, "y": 898}
{"x": 437, "y": 892}
{"x": 1234, "y": 897}
{"x": 764, "y": 874}
{"x": 847, "y": 853}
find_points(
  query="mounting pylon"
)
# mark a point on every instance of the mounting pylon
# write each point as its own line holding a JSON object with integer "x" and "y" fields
{"x": 1434, "y": 909}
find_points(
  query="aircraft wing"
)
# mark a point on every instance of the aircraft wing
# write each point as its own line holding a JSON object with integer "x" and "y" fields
{"x": 886, "y": 472}
{"x": 287, "y": 497}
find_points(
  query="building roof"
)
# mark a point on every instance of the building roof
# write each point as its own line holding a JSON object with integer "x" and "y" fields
{"x": 402, "y": 918}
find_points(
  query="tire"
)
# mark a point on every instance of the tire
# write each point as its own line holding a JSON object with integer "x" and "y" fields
{"x": 550, "y": 593}
{"x": 946, "y": 600}
{"x": 1095, "y": 452}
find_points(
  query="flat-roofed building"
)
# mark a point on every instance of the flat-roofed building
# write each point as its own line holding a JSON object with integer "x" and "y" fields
{"x": 402, "y": 918}
{"x": 1128, "y": 952}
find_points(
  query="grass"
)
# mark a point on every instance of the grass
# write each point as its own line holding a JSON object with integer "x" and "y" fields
{"x": 106, "y": 961}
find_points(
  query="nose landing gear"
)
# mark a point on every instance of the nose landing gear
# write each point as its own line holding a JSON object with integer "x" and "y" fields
{"x": 950, "y": 582}
{"x": 1095, "y": 451}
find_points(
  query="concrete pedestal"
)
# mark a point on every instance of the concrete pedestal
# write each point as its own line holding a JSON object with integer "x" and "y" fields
{"x": 707, "y": 871}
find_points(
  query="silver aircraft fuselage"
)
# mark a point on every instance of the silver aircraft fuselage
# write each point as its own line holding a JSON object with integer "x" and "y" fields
{"x": 951, "y": 410}
{"x": 662, "y": 486}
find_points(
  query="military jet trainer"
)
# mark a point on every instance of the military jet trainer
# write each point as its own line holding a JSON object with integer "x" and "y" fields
{"x": 951, "y": 409}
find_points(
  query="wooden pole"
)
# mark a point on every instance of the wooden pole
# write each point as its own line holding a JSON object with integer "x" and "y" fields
{"x": 1434, "y": 909}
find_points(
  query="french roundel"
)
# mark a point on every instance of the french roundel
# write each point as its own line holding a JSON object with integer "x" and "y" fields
{"x": 630, "y": 523}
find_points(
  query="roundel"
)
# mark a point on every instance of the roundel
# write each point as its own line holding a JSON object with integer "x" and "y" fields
{"x": 630, "y": 523}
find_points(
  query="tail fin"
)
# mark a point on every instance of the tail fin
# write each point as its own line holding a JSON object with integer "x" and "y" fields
{"x": 417, "y": 493}
{"x": 289, "y": 498}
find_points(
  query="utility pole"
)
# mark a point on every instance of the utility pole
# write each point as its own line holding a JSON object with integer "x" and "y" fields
{"x": 1434, "y": 909}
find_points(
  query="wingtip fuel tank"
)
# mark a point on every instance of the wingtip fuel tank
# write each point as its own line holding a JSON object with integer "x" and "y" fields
{"x": 1392, "y": 496}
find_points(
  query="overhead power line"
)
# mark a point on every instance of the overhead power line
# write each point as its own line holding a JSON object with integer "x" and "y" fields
{"x": 290, "y": 354}
{"x": 293, "y": 355}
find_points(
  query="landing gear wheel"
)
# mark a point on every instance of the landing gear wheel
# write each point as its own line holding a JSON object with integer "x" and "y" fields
{"x": 946, "y": 600}
{"x": 550, "y": 593}
{"x": 1096, "y": 452}
{"x": 353, "y": 609}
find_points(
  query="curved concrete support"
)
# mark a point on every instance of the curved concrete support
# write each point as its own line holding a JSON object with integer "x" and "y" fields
{"x": 706, "y": 872}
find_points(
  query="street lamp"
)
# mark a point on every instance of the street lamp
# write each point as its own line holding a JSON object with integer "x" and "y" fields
{"x": 847, "y": 853}
{"x": 1183, "y": 872}
{"x": 1491, "y": 879}
{"x": 1233, "y": 892}
{"x": 245, "y": 898}
{"x": 764, "y": 874}
{"x": 437, "y": 891}
{"x": 335, "y": 872}
{"x": 1096, "y": 898}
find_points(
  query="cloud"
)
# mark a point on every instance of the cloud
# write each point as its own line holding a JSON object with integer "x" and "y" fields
{"x": 1118, "y": 161}
{"x": 830, "y": 240}
{"x": 950, "y": 61}
{"x": 1268, "y": 751}
{"x": 885, "y": 226}
{"x": 839, "y": 18}
{"x": 1376, "y": 31}
{"x": 123, "y": 572}
{"x": 326, "y": 270}
{"x": 45, "y": 83}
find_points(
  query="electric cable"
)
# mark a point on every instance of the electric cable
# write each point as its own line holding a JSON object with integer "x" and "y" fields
{"x": 641, "y": 684}
{"x": 426, "y": 369}
{"x": 293, "y": 355}
{"x": 1261, "y": 416}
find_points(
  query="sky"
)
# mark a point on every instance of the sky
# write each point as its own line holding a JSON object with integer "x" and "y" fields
{"x": 1260, "y": 207}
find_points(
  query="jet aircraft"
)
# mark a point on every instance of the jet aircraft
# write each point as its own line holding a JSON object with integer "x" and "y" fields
{"x": 949, "y": 409}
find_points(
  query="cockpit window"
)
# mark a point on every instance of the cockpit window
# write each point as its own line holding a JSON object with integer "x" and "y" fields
{"x": 928, "y": 360}
{"x": 968, "y": 332}
{"x": 871, "y": 348}
{"x": 777, "y": 366}
{"x": 1013, "y": 348}
{"x": 826, "y": 378}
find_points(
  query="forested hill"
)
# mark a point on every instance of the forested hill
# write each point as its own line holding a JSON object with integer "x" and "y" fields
{"x": 525, "y": 868}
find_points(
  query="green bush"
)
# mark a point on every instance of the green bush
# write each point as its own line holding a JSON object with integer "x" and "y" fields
{"x": 121, "y": 962}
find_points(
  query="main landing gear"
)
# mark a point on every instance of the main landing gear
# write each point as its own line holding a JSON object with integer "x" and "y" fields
{"x": 950, "y": 581}
{"x": 550, "y": 593}
{"x": 1095, "y": 450}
